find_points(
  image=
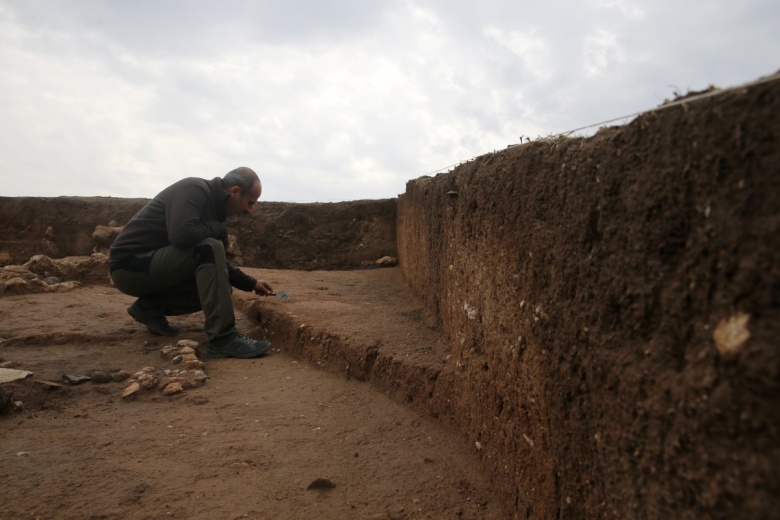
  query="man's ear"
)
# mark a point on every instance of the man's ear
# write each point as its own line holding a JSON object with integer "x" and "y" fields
{"x": 235, "y": 192}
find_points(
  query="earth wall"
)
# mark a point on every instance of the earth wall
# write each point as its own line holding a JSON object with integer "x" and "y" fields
{"x": 614, "y": 307}
{"x": 277, "y": 235}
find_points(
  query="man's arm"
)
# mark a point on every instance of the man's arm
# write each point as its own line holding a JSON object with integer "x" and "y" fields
{"x": 240, "y": 280}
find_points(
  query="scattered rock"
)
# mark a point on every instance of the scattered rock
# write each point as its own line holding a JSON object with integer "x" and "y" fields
{"x": 130, "y": 389}
{"x": 118, "y": 375}
{"x": 387, "y": 261}
{"x": 322, "y": 484}
{"x": 539, "y": 313}
{"x": 195, "y": 364}
{"x": 193, "y": 378}
{"x": 75, "y": 379}
{"x": 8, "y": 375}
{"x": 173, "y": 388}
{"x": 98, "y": 376}
{"x": 191, "y": 362}
{"x": 168, "y": 380}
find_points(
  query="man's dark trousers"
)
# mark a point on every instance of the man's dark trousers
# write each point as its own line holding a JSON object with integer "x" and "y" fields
{"x": 180, "y": 281}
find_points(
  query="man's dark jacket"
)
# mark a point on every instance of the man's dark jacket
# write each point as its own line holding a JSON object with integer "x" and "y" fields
{"x": 181, "y": 215}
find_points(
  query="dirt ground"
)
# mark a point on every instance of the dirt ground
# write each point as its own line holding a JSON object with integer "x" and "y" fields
{"x": 274, "y": 437}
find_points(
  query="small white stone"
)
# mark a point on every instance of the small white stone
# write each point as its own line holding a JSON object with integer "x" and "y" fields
{"x": 731, "y": 335}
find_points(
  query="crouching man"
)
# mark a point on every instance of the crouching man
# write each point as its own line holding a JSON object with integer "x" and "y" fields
{"x": 171, "y": 256}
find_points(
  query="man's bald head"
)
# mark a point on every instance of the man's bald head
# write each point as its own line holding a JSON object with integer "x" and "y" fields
{"x": 243, "y": 177}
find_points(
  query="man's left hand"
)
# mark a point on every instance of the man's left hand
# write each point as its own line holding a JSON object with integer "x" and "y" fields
{"x": 263, "y": 288}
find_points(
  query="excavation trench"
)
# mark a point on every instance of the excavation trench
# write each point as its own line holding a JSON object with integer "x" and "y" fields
{"x": 593, "y": 322}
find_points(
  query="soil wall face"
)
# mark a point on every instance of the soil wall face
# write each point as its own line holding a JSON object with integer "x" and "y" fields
{"x": 278, "y": 235}
{"x": 342, "y": 235}
{"x": 614, "y": 307}
{"x": 57, "y": 226}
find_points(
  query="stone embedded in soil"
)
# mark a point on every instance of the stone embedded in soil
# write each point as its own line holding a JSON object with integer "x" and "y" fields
{"x": 387, "y": 261}
{"x": 731, "y": 335}
{"x": 182, "y": 348}
{"x": 191, "y": 362}
{"x": 148, "y": 380}
{"x": 195, "y": 365}
{"x": 193, "y": 378}
{"x": 119, "y": 375}
{"x": 8, "y": 375}
{"x": 131, "y": 388}
{"x": 98, "y": 376}
{"x": 172, "y": 388}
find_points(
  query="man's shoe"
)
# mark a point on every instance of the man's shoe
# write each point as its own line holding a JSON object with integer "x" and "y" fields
{"x": 156, "y": 322}
{"x": 241, "y": 347}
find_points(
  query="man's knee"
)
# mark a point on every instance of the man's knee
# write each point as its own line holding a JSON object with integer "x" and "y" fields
{"x": 209, "y": 251}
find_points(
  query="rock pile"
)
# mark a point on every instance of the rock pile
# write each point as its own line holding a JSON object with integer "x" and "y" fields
{"x": 44, "y": 274}
{"x": 170, "y": 381}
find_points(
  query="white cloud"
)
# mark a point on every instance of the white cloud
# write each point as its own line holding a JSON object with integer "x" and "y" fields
{"x": 336, "y": 101}
{"x": 530, "y": 48}
{"x": 602, "y": 54}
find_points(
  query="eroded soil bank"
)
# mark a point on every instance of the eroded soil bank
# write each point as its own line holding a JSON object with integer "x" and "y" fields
{"x": 614, "y": 307}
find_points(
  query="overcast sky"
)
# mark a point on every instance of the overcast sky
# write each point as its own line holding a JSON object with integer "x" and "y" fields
{"x": 337, "y": 100}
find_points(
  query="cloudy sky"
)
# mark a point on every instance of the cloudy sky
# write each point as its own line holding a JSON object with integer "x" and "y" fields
{"x": 341, "y": 99}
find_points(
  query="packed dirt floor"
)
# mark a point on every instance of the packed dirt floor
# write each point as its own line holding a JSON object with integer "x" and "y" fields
{"x": 275, "y": 437}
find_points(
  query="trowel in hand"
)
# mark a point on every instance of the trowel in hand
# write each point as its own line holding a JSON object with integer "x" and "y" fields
{"x": 281, "y": 295}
